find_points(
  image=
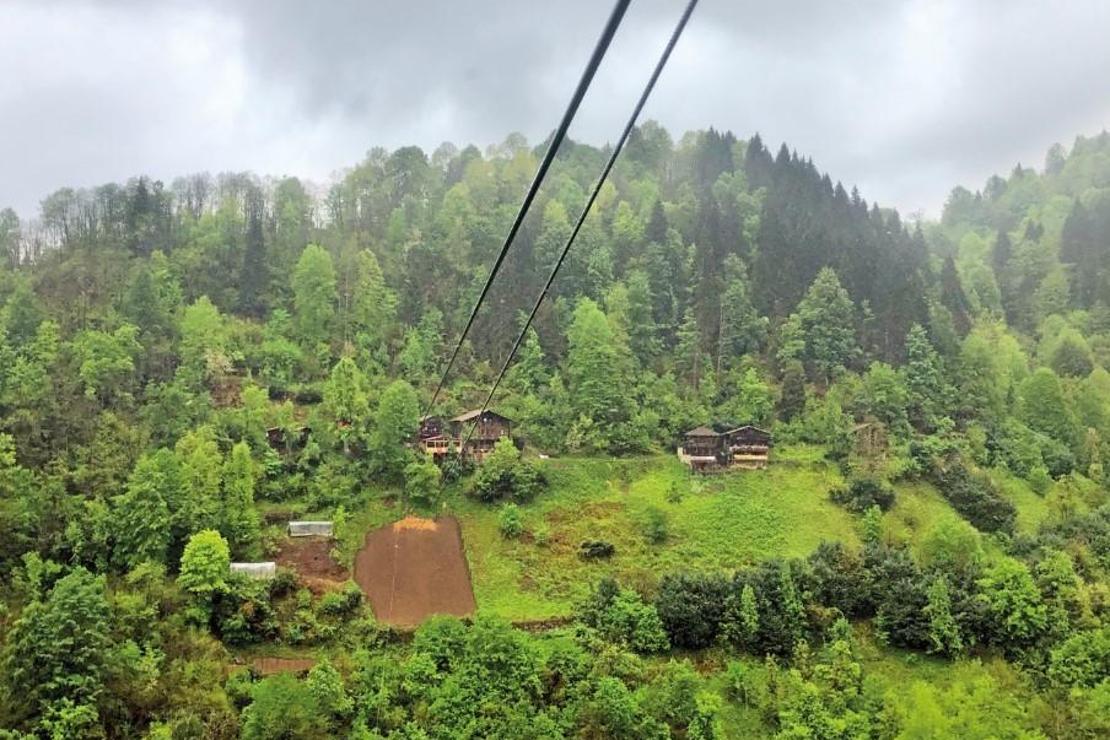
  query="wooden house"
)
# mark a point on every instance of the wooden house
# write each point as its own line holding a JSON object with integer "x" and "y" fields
{"x": 722, "y": 446}
{"x": 702, "y": 449}
{"x": 489, "y": 427}
{"x": 748, "y": 446}
{"x": 439, "y": 438}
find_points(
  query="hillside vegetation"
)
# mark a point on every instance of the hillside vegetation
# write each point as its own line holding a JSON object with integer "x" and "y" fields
{"x": 184, "y": 367}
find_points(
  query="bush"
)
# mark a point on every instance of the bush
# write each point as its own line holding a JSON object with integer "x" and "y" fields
{"x": 341, "y": 603}
{"x": 621, "y": 617}
{"x": 1039, "y": 480}
{"x": 596, "y": 549}
{"x": 691, "y": 606}
{"x": 973, "y": 497}
{"x": 541, "y": 533}
{"x": 863, "y": 493}
{"x": 422, "y": 482}
{"x": 509, "y": 522}
{"x": 283, "y": 583}
{"x": 506, "y": 475}
{"x": 655, "y": 526}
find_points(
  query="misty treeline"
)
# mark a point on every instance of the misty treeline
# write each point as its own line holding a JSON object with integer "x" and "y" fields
{"x": 162, "y": 349}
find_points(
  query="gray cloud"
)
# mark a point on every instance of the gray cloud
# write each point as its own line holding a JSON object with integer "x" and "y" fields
{"x": 905, "y": 99}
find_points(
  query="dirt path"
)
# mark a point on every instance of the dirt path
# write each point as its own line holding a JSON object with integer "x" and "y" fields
{"x": 413, "y": 569}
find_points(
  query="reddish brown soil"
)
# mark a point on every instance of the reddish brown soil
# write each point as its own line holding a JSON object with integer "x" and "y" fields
{"x": 270, "y": 666}
{"x": 310, "y": 558}
{"x": 413, "y": 569}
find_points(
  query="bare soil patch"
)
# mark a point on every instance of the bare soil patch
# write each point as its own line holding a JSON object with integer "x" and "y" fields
{"x": 310, "y": 558}
{"x": 415, "y": 568}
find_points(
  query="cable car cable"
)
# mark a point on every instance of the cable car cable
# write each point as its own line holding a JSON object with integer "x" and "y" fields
{"x": 560, "y": 133}
{"x": 589, "y": 204}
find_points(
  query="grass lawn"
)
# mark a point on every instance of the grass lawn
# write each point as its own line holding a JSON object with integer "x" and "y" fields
{"x": 713, "y": 522}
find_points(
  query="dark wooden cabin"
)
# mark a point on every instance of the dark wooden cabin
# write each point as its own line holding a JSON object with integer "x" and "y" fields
{"x": 749, "y": 446}
{"x": 702, "y": 448}
{"x": 439, "y": 438}
{"x": 489, "y": 427}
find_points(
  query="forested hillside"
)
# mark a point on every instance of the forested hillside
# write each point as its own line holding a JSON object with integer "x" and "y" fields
{"x": 183, "y": 364}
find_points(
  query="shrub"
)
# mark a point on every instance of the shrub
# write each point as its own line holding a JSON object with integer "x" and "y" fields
{"x": 863, "y": 493}
{"x": 509, "y": 521}
{"x": 596, "y": 549}
{"x": 283, "y": 583}
{"x": 691, "y": 606}
{"x": 505, "y": 474}
{"x": 655, "y": 526}
{"x": 973, "y": 497}
{"x": 1039, "y": 480}
{"x": 341, "y": 603}
{"x": 541, "y": 533}
{"x": 1081, "y": 660}
{"x": 621, "y": 617}
{"x": 422, "y": 482}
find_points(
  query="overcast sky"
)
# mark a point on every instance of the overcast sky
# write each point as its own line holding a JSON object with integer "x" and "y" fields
{"x": 904, "y": 99}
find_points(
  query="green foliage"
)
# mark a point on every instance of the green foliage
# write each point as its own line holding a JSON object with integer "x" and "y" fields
{"x": 1083, "y": 659}
{"x": 57, "y": 652}
{"x": 142, "y": 514}
{"x": 423, "y": 482}
{"x": 283, "y": 707}
{"x": 863, "y": 493}
{"x": 314, "y": 295}
{"x": 239, "y": 517}
{"x": 821, "y": 332}
{"x": 974, "y": 497}
{"x": 1010, "y": 596}
{"x": 505, "y": 474}
{"x": 347, "y": 402}
{"x": 621, "y": 617}
{"x": 1044, "y": 409}
{"x": 137, "y": 388}
{"x": 596, "y": 367}
{"x": 655, "y": 526}
{"x": 692, "y": 607}
{"x": 395, "y": 423}
{"x": 205, "y": 564}
{"x": 943, "y": 630}
{"x": 969, "y": 708}
{"x": 509, "y": 522}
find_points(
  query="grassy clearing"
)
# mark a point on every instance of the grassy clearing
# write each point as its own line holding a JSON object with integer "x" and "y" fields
{"x": 1032, "y": 509}
{"x": 719, "y": 522}
{"x": 918, "y": 507}
{"x": 715, "y": 522}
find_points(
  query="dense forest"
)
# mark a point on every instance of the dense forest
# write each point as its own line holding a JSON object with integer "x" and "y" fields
{"x": 177, "y": 362}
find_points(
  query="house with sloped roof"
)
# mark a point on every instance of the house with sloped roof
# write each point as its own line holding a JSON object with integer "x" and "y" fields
{"x": 440, "y": 438}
